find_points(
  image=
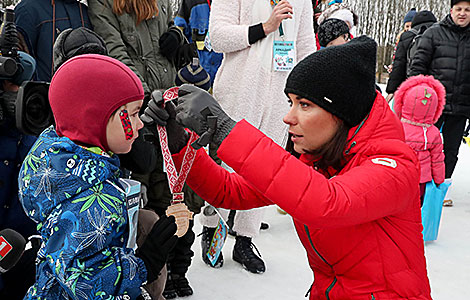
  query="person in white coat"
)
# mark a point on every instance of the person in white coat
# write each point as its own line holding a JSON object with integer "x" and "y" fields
{"x": 261, "y": 41}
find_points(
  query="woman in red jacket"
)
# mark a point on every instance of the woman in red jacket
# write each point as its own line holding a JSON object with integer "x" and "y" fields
{"x": 350, "y": 183}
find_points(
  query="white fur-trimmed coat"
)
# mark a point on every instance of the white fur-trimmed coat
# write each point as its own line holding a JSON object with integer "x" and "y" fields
{"x": 246, "y": 85}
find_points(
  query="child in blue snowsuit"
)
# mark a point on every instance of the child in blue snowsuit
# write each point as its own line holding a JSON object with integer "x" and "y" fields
{"x": 69, "y": 185}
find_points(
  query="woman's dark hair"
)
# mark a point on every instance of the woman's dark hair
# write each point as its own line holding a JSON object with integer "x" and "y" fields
{"x": 331, "y": 154}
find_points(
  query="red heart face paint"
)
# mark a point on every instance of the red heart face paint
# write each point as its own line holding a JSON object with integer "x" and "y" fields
{"x": 126, "y": 124}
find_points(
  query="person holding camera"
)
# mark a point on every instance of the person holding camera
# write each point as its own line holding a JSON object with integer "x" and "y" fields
{"x": 348, "y": 179}
{"x": 14, "y": 147}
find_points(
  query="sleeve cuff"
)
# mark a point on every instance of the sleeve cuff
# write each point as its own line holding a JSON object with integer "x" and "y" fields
{"x": 255, "y": 33}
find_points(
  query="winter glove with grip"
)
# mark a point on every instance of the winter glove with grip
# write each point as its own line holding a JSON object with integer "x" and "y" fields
{"x": 159, "y": 242}
{"x": 200, "y": 112}
{"x": 156, "y": 114}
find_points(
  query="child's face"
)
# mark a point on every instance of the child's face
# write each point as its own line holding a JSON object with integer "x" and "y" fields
{"x": 407, "y": 26}
{"x": 123, "y": 127}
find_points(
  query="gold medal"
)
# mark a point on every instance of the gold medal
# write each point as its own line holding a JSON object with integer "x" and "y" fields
{"x": 182, "y": 216}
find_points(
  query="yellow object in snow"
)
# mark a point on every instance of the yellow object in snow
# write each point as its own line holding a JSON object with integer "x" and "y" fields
{"x": 467, "y": 140}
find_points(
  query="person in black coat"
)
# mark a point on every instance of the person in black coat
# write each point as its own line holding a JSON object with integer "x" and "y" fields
{"x": 423, "y": 20}
{"x": 444, "y": 52}
{"x": 14, "y": 146}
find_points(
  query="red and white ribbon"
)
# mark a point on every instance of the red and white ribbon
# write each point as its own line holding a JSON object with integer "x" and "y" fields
{"x": 175, "y": 181}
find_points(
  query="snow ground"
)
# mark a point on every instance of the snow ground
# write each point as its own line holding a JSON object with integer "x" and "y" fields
{"x": 287, "y": 273}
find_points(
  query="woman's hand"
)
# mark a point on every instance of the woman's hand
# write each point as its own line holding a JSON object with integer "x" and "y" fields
{"x": 283, "y": 10}
{"x": 200, "y": 112}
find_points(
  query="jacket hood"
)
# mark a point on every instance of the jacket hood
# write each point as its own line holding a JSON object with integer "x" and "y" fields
{"x": 420, "y": 99}
{"x": 57, "y": 169}
{"x": 422, "y": 25}
{"x": 339, "y": 11}
{"x": 85, "y": 91}
{"x": 424, "y": 16}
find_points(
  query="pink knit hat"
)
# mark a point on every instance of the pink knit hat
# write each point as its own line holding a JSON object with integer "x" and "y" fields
{"x": 85, "y": 91}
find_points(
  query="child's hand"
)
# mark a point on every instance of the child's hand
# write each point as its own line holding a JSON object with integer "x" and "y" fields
{"x": 155, "y": 112}
{"x": 158, "y": 244}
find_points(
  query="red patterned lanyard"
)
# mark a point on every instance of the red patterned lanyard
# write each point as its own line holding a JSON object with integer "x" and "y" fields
{"x": 175, "y": 182}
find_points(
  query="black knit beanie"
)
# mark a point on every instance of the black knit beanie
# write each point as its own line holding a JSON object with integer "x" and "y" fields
{"x": 453, "y": 2}
{"x": 340, "y": 79}
{"x": 424, "y": 16}
{"x": 330, "y": 30}
{"x": 73, "y": 42}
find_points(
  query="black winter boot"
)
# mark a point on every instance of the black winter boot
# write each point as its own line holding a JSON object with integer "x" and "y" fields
{"x": 170, "y": 291}
{"x": 183, "y": 289}
{"x": 243, "y": 254}
{"x": 207, "y": 234}
{"x": 230, "y": 221}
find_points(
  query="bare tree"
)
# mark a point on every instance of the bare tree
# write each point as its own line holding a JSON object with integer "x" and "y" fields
{"x": 175, "y": 5}
{"x": 383, "y": 21}
{"x": 5, "y": 3}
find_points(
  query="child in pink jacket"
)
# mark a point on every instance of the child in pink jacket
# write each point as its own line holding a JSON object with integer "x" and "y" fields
{"x": 419, "y": 102}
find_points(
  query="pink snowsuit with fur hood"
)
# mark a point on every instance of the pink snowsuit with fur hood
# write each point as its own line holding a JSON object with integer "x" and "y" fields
{"x": 419, "y": 102}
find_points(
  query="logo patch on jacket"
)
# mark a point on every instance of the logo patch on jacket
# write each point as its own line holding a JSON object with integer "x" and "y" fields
{"x": 384, "y": 161}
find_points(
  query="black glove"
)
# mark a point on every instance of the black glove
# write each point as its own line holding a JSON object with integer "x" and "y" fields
{"x": 159, "y": 242}
{"x": 170, "y": 41}
{"x": 200, "y": 112}
{"x": 184, "y": 55}
{"x": 155, "y": 113}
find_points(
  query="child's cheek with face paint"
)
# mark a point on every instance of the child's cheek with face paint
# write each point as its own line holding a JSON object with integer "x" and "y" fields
{"x": 126, "y": 124}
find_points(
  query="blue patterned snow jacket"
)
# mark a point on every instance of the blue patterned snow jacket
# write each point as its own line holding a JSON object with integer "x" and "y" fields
{"x": 73, "y": 195}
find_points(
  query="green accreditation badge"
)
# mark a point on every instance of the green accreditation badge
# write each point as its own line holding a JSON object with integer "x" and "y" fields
{"x": 283, "y": 55}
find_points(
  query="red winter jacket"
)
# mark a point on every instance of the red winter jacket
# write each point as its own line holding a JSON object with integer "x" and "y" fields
{"x": 361, "y": 228}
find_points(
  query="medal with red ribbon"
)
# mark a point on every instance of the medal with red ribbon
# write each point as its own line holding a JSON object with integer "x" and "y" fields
{"x": 176, "y": 181}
